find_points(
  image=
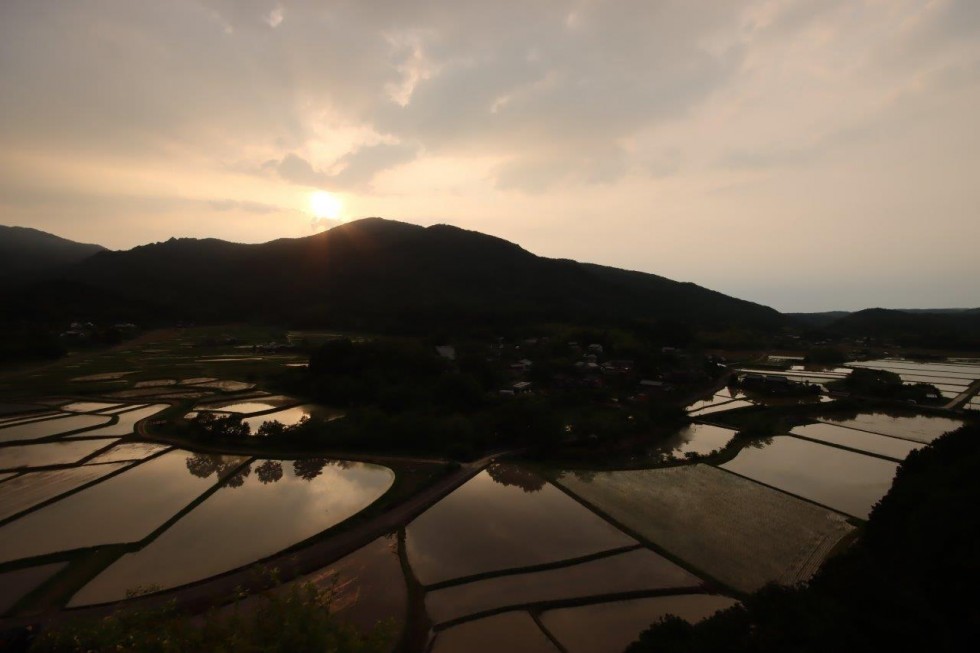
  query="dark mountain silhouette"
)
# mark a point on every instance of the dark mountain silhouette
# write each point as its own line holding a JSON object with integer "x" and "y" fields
{"x": 958, "y": 329}
{"x": 817, "y": 319}
{"x": 385, "y": 274}
{"x": 25, "y": 251}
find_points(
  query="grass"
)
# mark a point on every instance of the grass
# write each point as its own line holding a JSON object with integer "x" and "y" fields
{"x": 295, "y": 618}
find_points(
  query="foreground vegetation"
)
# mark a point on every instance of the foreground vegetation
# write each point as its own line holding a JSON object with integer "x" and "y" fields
{"x": 909, "y": 584}
{"x": 290, "y": 619}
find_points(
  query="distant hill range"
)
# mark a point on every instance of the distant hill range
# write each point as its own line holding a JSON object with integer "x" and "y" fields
{"x": 372, "y": 273}
{"x": 26, "y": 252}
{"x": 940, "y": 327}
{"x": 383, "y": 274}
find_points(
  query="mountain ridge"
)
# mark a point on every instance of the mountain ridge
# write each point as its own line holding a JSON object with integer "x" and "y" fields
{"x": 25, "y": 250}
{"x": 375, "y": 271}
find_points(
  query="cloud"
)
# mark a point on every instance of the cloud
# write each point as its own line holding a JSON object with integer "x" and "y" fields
{"x": 523, "y": 119}
{"x": 356, "y": 168}
{"x": 295, "y": 169}
{"x": 248, "y": 207}
{"x": 275, "y": 17}
{"x": 360, "y": 166}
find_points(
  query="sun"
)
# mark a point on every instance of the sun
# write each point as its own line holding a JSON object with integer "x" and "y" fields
{"x": 325, "y": 205}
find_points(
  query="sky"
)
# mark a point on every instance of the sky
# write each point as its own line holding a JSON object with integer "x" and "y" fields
{"x": 805, "y": 154}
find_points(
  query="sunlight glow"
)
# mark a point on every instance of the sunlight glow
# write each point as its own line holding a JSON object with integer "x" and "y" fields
{"x": 325, "y": 205}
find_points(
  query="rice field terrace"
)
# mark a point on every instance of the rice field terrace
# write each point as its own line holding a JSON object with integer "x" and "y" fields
{"x": 99, "y": 508}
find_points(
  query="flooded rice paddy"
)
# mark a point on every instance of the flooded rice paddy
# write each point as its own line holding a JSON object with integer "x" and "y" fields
{"x": 882, "y": 445}
{"x": 128, "y": 451}
{"x": 124, "y": 508}
{"x": 632, "y": 571}
{"x": 126, "y": 422}
{"x": 515, "y": 558}
{"x": 28, "y": 490}
{"x": 260, "y": 509}
{"x": 51, "y": 453}
{"x": 15, "y": 584}
{"x": 51, "y": 427}
{"x": 699, "y": 439}
{"x": 843, "y": 480}
{"x": 950, "y": 378}
{"x": 504, "y": 518}
{"x": 292, "y": 416}
{"x": 733, "y": 529}
{"x": 166, "y": 516}
{"x": 918, "y": 428}
{"x": 717, "y": 408}
{"x": 89, "y": 406}
{"x": 249, "y": 406}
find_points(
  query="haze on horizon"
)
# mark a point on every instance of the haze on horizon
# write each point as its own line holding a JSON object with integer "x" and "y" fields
{"x": 808, "y": 155}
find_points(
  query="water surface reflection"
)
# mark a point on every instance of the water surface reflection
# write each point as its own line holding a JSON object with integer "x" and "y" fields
{"x": 247, "y": 519}
{"x": 486, "y": 526}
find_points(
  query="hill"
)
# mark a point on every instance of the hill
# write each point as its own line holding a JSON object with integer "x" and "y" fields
{"x": 817, "y": 320}
{"x": 376, "y": 273}
{"x": 949, "y": 330}
{"x": 25, "y": 251}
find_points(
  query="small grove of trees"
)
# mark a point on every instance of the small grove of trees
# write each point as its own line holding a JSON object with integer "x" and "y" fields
{"x": 885, "y": 385}
{"x": 231, "y": 427}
